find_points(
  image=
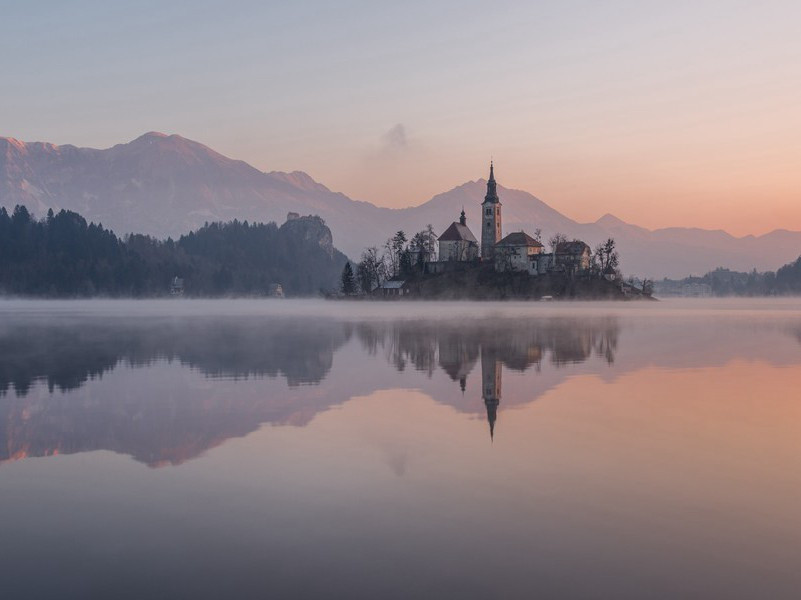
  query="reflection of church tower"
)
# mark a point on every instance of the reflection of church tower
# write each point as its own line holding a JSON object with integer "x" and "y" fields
{"x": 490, "y": 218}
{"x": 491, "y": 386}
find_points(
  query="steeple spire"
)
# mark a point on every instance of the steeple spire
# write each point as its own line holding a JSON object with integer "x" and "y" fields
{"x": 463, "y": 218}
{"x": 492, "y": 193}
{"x": 492, "y": 416}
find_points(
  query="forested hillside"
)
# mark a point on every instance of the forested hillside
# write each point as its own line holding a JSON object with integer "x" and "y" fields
{"x": 64, "y": 256}
{"x": 786, "y": 281}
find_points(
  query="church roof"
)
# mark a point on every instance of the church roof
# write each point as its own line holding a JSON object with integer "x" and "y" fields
{"x": 457, "y": 233}
{"x": 519, "y": 238}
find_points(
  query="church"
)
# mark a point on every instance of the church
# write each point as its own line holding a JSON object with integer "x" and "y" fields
{"x": 516, "y": 252}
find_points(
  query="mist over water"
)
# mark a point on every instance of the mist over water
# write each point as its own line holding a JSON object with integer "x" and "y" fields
{"x": 250, "y": 448}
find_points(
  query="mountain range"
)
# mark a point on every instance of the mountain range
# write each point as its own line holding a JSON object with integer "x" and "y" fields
{"x": 166, "y": 185}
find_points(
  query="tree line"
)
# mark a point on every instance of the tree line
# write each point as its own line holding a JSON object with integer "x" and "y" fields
{"x": 724, "y": 282}
{"x": 62, "y": 255}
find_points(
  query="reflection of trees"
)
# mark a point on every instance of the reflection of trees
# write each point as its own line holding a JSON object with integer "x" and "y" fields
{"x": 67, "y": 355}
{"x": 518, "y": 344}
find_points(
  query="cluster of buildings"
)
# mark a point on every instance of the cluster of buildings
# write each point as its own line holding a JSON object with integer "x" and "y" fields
{"x": 517, "y": 251}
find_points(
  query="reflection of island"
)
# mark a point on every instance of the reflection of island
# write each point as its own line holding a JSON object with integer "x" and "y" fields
{"x": 510, "y": 343}
{"x": 151, "y": 412}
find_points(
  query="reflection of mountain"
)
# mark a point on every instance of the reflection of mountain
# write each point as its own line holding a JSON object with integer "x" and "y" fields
{"x": 161, "y": 424}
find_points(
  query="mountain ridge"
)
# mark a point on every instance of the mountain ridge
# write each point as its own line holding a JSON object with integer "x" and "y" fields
{"x": 166, "y": 185}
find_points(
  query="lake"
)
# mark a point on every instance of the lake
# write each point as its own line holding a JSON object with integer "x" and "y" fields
{"x": 304, "y": 449}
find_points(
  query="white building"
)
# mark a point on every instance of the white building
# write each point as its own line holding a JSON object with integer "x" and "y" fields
{"x": 518, "y": 251}
{"x": 457, "y": 242}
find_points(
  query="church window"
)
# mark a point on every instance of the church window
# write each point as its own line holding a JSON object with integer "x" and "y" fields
{"x": 489, "y": 212}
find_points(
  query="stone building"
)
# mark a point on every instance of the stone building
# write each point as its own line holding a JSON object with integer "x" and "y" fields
{"x": 574, "y": 256}
{"x": 491, "y": 218}
{"x": 457, "y": 242}
{"x": 517, "y": 252}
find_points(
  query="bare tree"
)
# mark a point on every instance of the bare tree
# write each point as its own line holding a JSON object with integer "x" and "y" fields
{"x": 555, "y": 240}
{"x": 371, "y": 270}
{"x": 394, "y": 247}
{"x": 606, "y": 258}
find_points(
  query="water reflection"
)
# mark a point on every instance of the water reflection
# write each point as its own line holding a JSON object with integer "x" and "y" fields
{"x": 164, "y": 390}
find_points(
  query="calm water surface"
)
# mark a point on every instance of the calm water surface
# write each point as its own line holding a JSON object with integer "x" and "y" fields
{"x": 260, "y": 449}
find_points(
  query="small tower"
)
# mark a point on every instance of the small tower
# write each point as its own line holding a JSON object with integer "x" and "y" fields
{"x": 463, "y": 218}
{"x": 490, "y": 218}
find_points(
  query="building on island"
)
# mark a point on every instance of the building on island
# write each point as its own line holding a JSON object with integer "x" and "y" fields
{"x": 491, "y": 218}
{"x": 518, "y": 251}
{"x": 574, "y": 257}
{"x": 457, "y": 242}
{"x": 393, "y": 288}
{"x": 177, "y": 286}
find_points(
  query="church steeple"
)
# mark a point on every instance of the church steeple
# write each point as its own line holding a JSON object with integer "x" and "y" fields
{"x": 491, "y": 385}
{"x": 463, "y": 218}
{"x": 490, "y": 218}
{"x": 492, "y": 416}
{"x": 492, "y": 192}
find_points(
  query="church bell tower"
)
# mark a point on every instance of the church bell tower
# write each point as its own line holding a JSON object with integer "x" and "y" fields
{"x": 490, "y": 218}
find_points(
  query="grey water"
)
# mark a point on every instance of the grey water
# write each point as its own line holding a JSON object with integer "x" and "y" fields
{"x": 311, "y": 449}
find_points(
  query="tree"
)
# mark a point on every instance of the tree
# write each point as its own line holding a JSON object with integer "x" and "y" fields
{"x": 371, "y": 270}
{"x": 405, "y": 263}
{"x": 348, "y": 281}
{"x": 425, "y": 244}
{"x": 555, "y": 240}
{"x": 395, "y": 247}
{"x": 538, "y": 234}
{"x": 605, "y": 258}
{"x": 364, "y": 278}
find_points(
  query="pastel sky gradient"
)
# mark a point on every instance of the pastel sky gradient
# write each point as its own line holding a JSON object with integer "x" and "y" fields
{"x": 662, "y": 113}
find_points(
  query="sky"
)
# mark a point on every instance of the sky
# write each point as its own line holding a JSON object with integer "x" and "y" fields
{"x": 661, "y": 113}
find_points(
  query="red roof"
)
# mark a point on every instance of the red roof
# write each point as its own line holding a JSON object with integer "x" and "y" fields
{"x": 519, "y": 238}
{"x": 457, "y": 233}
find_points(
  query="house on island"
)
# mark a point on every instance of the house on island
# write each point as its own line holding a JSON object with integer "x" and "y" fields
{"x": 573, "y": 257}
{"x": 518, "y": 251}
{"x": 394, "y": 288}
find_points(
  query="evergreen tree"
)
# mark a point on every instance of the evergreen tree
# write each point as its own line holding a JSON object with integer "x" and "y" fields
{"x": 348, "y": 286}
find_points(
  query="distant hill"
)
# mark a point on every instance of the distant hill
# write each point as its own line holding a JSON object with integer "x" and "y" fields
{"x": 167, "y": 185}
{"x": 64, "y": 256}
